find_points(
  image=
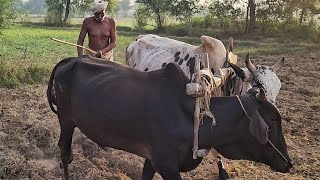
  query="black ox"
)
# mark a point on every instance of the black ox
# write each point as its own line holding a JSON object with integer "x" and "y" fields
{"x": 149, "y": 114}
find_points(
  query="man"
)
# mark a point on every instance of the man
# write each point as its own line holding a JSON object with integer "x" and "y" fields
{"x": 101, "y": 33}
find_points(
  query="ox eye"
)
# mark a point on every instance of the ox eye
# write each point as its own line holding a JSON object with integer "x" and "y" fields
{"x": 275, "y": 119}
{"x": 257, "y": 84}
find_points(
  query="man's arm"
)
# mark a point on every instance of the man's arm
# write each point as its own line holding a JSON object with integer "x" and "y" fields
{"x": 82, "y": 36}
{"x": 113, "y": 37}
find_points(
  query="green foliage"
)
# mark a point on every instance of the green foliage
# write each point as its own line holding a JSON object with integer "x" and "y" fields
{"x": 27, "y": 55}
{"x": 158, "y": 9}
{"x": 111, "y": 7}
{"x": 125, "y": 7}
{"x": 225, "y": 12}
{"x": 5, "y": 13}
{"x": 33, "y": 6}
{"x": 83, "y": 7}
{"x": 58, "y": 11}
{"x": 8, "y": 77}
{"x": 184, "y": 9}
{"x": 141, "y": 15}
{"x": 54, "y": 12}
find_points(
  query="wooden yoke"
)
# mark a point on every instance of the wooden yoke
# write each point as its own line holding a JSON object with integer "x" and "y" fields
{"x": 196, "y": 109}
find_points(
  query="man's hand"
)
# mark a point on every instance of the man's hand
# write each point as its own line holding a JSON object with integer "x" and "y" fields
{"x": 99, "y": 54}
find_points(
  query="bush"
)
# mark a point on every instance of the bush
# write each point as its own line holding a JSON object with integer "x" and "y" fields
{"x": 141, "y": 17}
{"x": 34, "y": 74}
{"x": 13, "y": 75}
{"x": 124, "y": 28}
{"x": 8, "y": 76}
{"x": 179, "y": 30}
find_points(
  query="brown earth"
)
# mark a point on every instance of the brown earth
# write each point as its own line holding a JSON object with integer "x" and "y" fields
{"x": 29, "y": 134}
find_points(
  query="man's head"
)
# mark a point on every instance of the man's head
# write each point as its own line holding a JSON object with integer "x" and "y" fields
{"x": 98, "y": 10}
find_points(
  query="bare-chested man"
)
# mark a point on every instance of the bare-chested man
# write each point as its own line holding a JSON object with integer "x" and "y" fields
{"x": 101, "y": 32}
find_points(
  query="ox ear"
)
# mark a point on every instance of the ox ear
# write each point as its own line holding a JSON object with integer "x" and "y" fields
{"x": 278, "y": 65}
{"x": 258, "y": 127}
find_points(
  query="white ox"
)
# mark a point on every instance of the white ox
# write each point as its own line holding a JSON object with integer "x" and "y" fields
{"x": 151, "y": 52}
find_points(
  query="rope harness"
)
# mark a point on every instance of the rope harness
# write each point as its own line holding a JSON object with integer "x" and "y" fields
{"x": 202, "y": 87}
{"x": 268, "y": 141}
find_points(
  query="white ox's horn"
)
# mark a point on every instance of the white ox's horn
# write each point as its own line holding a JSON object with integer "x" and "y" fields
{"x": 252, "y": 68}
{"x": 278, "y": 65}
{"x": 261, "y": 96}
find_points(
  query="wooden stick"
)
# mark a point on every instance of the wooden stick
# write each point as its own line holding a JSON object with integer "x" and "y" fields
{"x": 196, "y": 110}
{"x": 65, "y": 42}
{"x": 207, "y": 63}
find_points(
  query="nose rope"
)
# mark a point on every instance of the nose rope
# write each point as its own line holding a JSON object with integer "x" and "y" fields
{"x": 277, "y": 150}
{"x": 273, "y": 146}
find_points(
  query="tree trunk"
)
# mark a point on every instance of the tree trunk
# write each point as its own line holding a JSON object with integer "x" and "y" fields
{"x": 301, "y": 16}
{"x": 311, "y": 23}
{"x": 159, "y": 19}
{"x": 66, "y": 15}
{"x": 252, "y": 22}
{"x": 247, "y": 19}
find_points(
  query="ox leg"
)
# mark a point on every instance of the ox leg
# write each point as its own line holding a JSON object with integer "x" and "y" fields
{"x": 65, "y": 147}
{"x": 169, "y": 173}
{"x": 167, "y": 168}
{"x": 222, "y": 172}
{"x": 148, "y": 170}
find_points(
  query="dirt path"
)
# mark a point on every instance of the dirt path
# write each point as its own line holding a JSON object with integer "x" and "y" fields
{"x": 29, "y": 134}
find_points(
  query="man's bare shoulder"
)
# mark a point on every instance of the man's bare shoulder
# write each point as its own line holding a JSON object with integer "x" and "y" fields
{"x": 111, "y": 20}
{"x": 88, "y": 20}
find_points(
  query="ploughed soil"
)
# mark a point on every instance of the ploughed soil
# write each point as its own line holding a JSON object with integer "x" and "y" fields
{"x": 29, "y": 133}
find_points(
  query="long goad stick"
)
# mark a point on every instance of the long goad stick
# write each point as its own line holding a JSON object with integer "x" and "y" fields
{"x": 65, "y": 42}
{"x": 196, "y": 110}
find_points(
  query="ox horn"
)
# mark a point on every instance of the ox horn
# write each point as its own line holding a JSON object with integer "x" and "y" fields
{"x": 261, "y": 96}
{"x": 278, "y": 65}
{"x": 252, "y": 68}
{"x": 230, "y": 48}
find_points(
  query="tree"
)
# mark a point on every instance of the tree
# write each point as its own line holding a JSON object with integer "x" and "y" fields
{"x": 125, "y": 7}
{"x": 7, "y": 11}
{"x": 251, "y": 16}
{"x": 58, "y": 11}
{"x": 33, "y": 6}
{"x": 159, "y": 8}
{"x": 182, "y": 9}
{"x": 225, "y": 12}
{"x": 305, "y": 7}
{"x": 111, "y": 7}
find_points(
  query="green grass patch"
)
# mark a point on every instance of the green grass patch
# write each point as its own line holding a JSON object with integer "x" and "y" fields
{"x": 27, "y": 53}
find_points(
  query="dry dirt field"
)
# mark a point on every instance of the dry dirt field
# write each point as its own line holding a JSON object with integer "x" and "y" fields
{"x": 29, "y": 134}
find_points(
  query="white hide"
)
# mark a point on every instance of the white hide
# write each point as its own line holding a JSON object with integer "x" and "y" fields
{"x": 269, "y": 81}
{"x": 151, "y": 52}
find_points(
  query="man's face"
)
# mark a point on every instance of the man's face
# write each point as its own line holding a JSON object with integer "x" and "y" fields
{"x": 99, "y": 16}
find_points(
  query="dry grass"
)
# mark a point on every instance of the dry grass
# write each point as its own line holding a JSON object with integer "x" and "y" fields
{"x": 29, "y": 134}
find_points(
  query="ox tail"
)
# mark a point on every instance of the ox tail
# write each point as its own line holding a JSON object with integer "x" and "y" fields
{"x": 51, "y": 96}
